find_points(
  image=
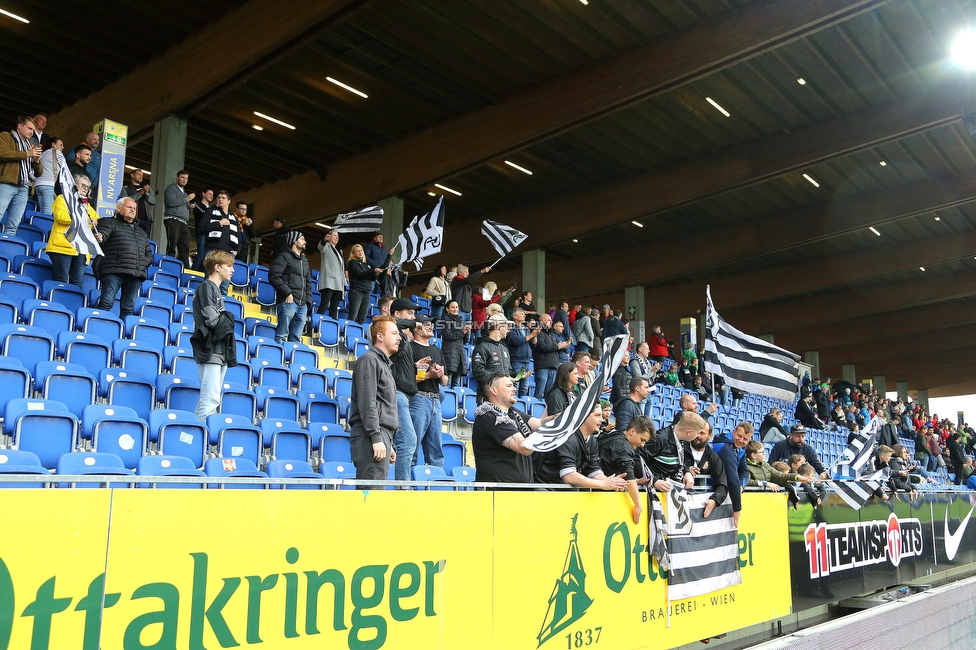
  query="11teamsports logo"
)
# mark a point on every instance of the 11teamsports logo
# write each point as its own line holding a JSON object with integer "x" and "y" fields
{"x": 832, "y": 548}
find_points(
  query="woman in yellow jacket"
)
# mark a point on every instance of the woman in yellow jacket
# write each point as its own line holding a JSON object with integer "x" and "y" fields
{"x": 66, "y": 264}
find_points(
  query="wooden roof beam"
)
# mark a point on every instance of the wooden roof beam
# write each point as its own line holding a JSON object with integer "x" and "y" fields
{"x": 206, "y": 64}
{"x": 469, "y": 141}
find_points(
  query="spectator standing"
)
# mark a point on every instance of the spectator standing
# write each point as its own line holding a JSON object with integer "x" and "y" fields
{"x": 361, "y": 276}
{"x": 20, "y": 164}
{"x": 52, "y": 160}
{"x": 213, "y": 340}
{"x": 453, "y": 332}
{"x": 956, "y": 456}
{"x": 461, "y": 289}
{"x": 223, "y": 231}
{"x": 491, "y": 353}
{"x": 705, "y": 462}
{"x": 125, "y": 257}
{"x": 612, "y": 325}
{"x": 281, "y": 230}
{"x": 67, "y": 265}
{"x": 378, "y": 257}
{"x": 139, "y": 191}
{"x": 405, "y": 375}
{"x": 176, "y": 218}
{"x": 520, "y": 350}
{"x": 373, "y": 417}
{"x": 78, "y": 160}
{"x": 425, "y": 405}
{"x": 659, "y": 348}
{"x": 577, "y": 461}
{"x": 201, "y": 225}
{"x": 665, "y": 453}
{"x": 245, "y": 223}
{"x": 545, "y": 353}
{"x": 618, "y": 457}
{"x": 439, "y": 290}
{"x": 531, "y": 313}
{"x": 583, "y": 332}
{"x": 627, "y": 409}
{"x": 733, "y": 456}
{"x": 40, "y": 135}
{"x": 332, "y": 277}
{"x": 93, "y": 162}
{"x": 291, "y": 277}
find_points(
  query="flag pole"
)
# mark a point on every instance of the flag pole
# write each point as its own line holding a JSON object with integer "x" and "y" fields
{"x": 496, "y": 262}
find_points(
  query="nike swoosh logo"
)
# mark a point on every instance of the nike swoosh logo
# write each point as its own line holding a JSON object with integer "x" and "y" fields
{"x": 952, "y": 540}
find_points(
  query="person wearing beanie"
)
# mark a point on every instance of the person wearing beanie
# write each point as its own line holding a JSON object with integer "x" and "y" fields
{"x": 281, "y": 230}
{"x": 291, "y": 277}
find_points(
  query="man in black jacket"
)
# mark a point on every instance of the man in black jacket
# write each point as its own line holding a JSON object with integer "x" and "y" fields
{"x": 125, "y": 257}
{"x": 291, "y": 277}
{"x": 213, "y": 344}
{"x": 545, "y": 352}
{"x": 222, "y": 231}
{"x": 618, "y": 456}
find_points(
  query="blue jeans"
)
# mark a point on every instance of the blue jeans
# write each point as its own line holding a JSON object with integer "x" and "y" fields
{"x": 931, "y": 463}
{"x": 522, "y": 385}
{"x": 130, "y": 286}
{"x": 13, "y": 197}
{"x": 198, "y": 260}
{"x": 405, "y": 440}
{"x": 211, "y": 379}
{"x": 544, "y": 378}
{"x": 68, "y": 268}
{"x": 291, "y": 322}
{"x": 45, "y": 198}
{"x": 425, "y": 412}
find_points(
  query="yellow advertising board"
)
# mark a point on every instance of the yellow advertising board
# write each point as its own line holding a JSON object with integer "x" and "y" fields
{"x": 52, "y": 562}
{"x": 572, "y": 571}
{"x": 299, "y": 569}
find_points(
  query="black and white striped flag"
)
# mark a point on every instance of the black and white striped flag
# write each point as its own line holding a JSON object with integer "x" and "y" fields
{"x": 79, "y": 231}
{"x": 423, "y": 237}
{"x": 748, "y": 363}
{"x": 856, "y": 493}
{"x": 366, "y": 220}
{"x": 851, "y": 463}
{"x": 552, "y": 434}
{"x": 703, "y": 553}
{"x": 502, "y": 237}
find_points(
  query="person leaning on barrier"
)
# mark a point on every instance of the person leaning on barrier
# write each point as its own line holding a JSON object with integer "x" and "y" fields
{"x": 498, "y": 433}
{"x": 665, "y": 454}
{"x": 705, "y": 462}
{"x": 618, "y": 456}
{"x": 373, "y": 405}
{"x": 794, "y": 444}
{"x": 577, "y": 461}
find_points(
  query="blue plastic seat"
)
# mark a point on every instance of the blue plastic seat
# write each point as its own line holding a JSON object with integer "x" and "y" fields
{"x": 334, "y": 446}
{"x": 154, "y": 310}
{"x": 265, "y": 348}
{"x": 235, "y": 437}
{"x": 68, "y": 383}
{"x": 37, "y": 269}
{"x": 86, "y": 350}
{"x": 129, "y": 388}
{"x": 179, "y": 433}
{"x": 450, "y": 405}
{"x": 318, "y": 407}
{"x": 15, "y": 380}
{"x": 69, "y": 296}
{"x": 463, "y": 474}
{"x": 168, "y": 466}
{"x": 308, "y": 379}
{"x": 263, "y": 292}
{"x": 328, "y": 330}
{"x": 18, "y": 461}
{"x": 103, "y": 324}
{"x": 173, "y": 352}
{"x": 179, "y": 393}
{"x": 340, "y": 469}
{"x": 239, "y": 374}
{"x": 241, "y": 275}
{"x": 270, "y": 374}
{"x": 287, "y": 439}
{"x": 92, "y": 463}
{"x": 236, "y": 308}
{"x": 179, "y": 334}
{"x": 301, "y": 354}
{"x": 138, "y": 355}
{"x": 428, "y": 473}
{"x": 259, "y": 327}
{"x": 30, "y": 345}
{"x": 12, "y": 246}
{"x": 237, "y": 399}
{"x": 147, "y": 330}
{"x": 19, "y": 287}
{"x": 43, "y": 427}
{"x": 468, "y": 403}
{"x": 454, "y": 454}
{"x": 292, "y": 469}
{"x": 234, "y": 468}
{"x": 9, "y": 310}
{"x": 274, "y": 402}
{"x": 116, "y": 430}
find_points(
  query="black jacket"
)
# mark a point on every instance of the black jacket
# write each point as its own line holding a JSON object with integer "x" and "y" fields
{"x": 280, "y": 239}
{"x": 361, "y": 275}
{"x": 125, "y": 249}
{"x": 291, "y": 275}
{"x": 204, "y": 339}
{"x": 545, "y": 350}
{"x": 221, "y": 238}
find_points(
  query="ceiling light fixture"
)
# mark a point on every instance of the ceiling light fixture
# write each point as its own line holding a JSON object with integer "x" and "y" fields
{"x": 964, "y": 50}
{"x": 257, "y": 127}
{"x": 447, "y": 189}
{"x": 883, "y": 163}
{"x": 938, "y": 218}
{"x": 812, "y": 182}
{"x": 638, "y": 224}
{"x": 717, "y": 107}
{"x": 576, "y": 241}
{"x": 801, "y": 81}
{"x": 276, "y": 121}
{"x": 431, "y": 193}
{"x": 347, "y": 87}
{"x": 15, "y": 17}
{"x": 875, "y": 231}
{"x": 323, "y": 225}
{"x": 921, "y": 268}
{"x": 585, "y": 2}
{"x": 518, "y": 167}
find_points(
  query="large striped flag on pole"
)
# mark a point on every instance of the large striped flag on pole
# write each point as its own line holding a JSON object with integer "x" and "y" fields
{"x": 554, "y": 433}
{"x": 503, "y": 238}
{"x": 366, "y": 220}
{"x": 857, "y": 492}
{"x": 746, "y": 362}
{"x": 851, "y": 463}
{"x": 423, "y": 237}
{"x": 79, "y": 231}
{"x": 703, "y": 554}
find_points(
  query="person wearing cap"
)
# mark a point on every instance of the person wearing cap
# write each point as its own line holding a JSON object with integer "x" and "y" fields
{"x": 794, "y": 444}
{"x": 291, "y": 277}
{"x": 280, "y": 235}
{"x": 405, "y": 367}
{"x": 222, "y": 230}
{"x": 425, "y": 405}
{"x": 332, "y": 277}
{"x": 805, "y": 412}
{"x": 491, "y": 353}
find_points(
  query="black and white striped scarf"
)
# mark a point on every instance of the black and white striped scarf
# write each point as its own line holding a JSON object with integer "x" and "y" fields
{"x": 26, "y": 168}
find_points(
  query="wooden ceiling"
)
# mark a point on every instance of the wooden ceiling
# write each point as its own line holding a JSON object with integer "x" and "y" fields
{"x": 606, "y": 104}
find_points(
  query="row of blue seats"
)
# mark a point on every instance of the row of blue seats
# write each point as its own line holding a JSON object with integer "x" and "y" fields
{"x": 48, "y": 429}
{"x": 105, "y": 466}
